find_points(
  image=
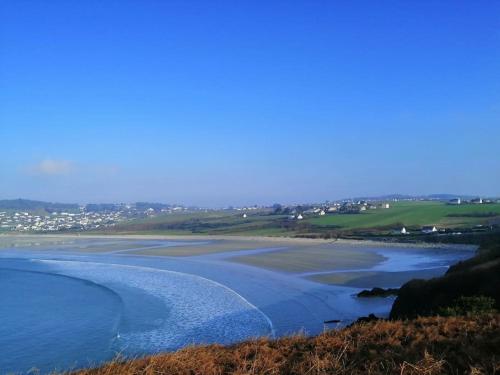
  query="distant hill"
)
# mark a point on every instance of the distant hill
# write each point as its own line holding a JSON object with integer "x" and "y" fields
{"x": 154, "y": 205}
{"x": 446, "y": 197}
{"x": 140, "y": 206}
{"x": 389, "y": 197}
{"x": 30, "y": 205}
{"x": 102, "y": 207}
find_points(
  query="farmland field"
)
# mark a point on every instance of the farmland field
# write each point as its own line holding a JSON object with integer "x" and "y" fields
{"x": 413, "y": 214}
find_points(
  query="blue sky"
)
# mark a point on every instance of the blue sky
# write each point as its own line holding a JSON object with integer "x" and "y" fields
{"x": 242, "y": 102}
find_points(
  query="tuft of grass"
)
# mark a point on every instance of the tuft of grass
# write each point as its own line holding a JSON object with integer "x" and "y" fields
{"x": 472, "y": 305}
{"x": 424, "y": 346}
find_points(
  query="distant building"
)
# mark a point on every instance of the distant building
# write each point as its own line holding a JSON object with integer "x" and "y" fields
{"x": 477, "y": 201}
{"x": 386, "y": 205}
{"x": 455, "y": 201}
{"x": 403, "y": 231}
{"x": 244, "y": 216}
{"x": 429, "y": 229}
{"x": 300, "y": 217}
{"x": 322, "y": 213}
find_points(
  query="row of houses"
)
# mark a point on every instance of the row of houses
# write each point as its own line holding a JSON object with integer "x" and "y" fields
{"x": 338, "y": 208}
{"x": 479, "y": 200}
{"x": 427, "y": 229}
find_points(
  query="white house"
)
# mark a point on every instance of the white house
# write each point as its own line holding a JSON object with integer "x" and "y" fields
{"x": 322, "y": 213}
{"x": 300, "y": 217}
{"x": 429, "y": 229}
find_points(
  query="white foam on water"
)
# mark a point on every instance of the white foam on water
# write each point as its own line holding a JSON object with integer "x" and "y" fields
{"x": 198, "y": 310}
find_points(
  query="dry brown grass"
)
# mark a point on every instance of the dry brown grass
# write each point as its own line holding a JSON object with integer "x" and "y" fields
{"x": 424, "y": 346}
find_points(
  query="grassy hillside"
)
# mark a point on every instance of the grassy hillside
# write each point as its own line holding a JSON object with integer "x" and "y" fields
{"x": 258, "y": 223}
{"x": 35, "y": 206}
{"x": 454, "y": 345}
{"x": 414, "y": 214}
{"x": 211, "y": 222}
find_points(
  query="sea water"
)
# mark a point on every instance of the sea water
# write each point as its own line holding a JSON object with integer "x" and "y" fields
{"x": 49, "y": 321}
{"x": 63, "y": 310}
{"x": 60, "y": 314}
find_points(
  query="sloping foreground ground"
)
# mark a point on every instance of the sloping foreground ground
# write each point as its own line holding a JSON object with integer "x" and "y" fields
{"x": 477, "y": 276}
{"x": 434, "y": 345}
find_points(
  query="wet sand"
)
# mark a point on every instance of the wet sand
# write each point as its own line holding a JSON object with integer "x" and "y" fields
{"x": 317, "y": 260}
{"x": 246, "y": 242}
{"x": 367, "y": 279}
{"x": 299, "y": 259}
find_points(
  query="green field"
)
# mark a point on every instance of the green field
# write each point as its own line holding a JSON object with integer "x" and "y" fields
{"x": 412, "y": 214}
{"x": 258, "y": 223}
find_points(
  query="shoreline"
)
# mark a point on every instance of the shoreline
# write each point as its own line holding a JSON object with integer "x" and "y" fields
{"x": 264, "y": 239}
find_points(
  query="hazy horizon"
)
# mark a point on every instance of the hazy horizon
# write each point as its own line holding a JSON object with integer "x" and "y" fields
{"x": 260, "y": 204}
{"x": 218, "y": 104}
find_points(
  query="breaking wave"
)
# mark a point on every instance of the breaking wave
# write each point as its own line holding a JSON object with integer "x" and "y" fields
{"x": 176, "y": 309}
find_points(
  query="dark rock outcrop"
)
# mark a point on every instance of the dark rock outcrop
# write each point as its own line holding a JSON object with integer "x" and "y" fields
{"x": 378, "y": 292}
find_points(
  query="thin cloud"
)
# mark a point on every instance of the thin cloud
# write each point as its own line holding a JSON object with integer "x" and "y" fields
{"x": 52, "y": 167}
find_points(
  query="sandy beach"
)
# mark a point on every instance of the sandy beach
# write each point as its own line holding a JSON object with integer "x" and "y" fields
{"x": 245, "y": 241}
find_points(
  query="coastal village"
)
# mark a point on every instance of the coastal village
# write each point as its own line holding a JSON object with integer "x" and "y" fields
{"x": 82, "y": 218}
{"x": 57, "y": 221}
